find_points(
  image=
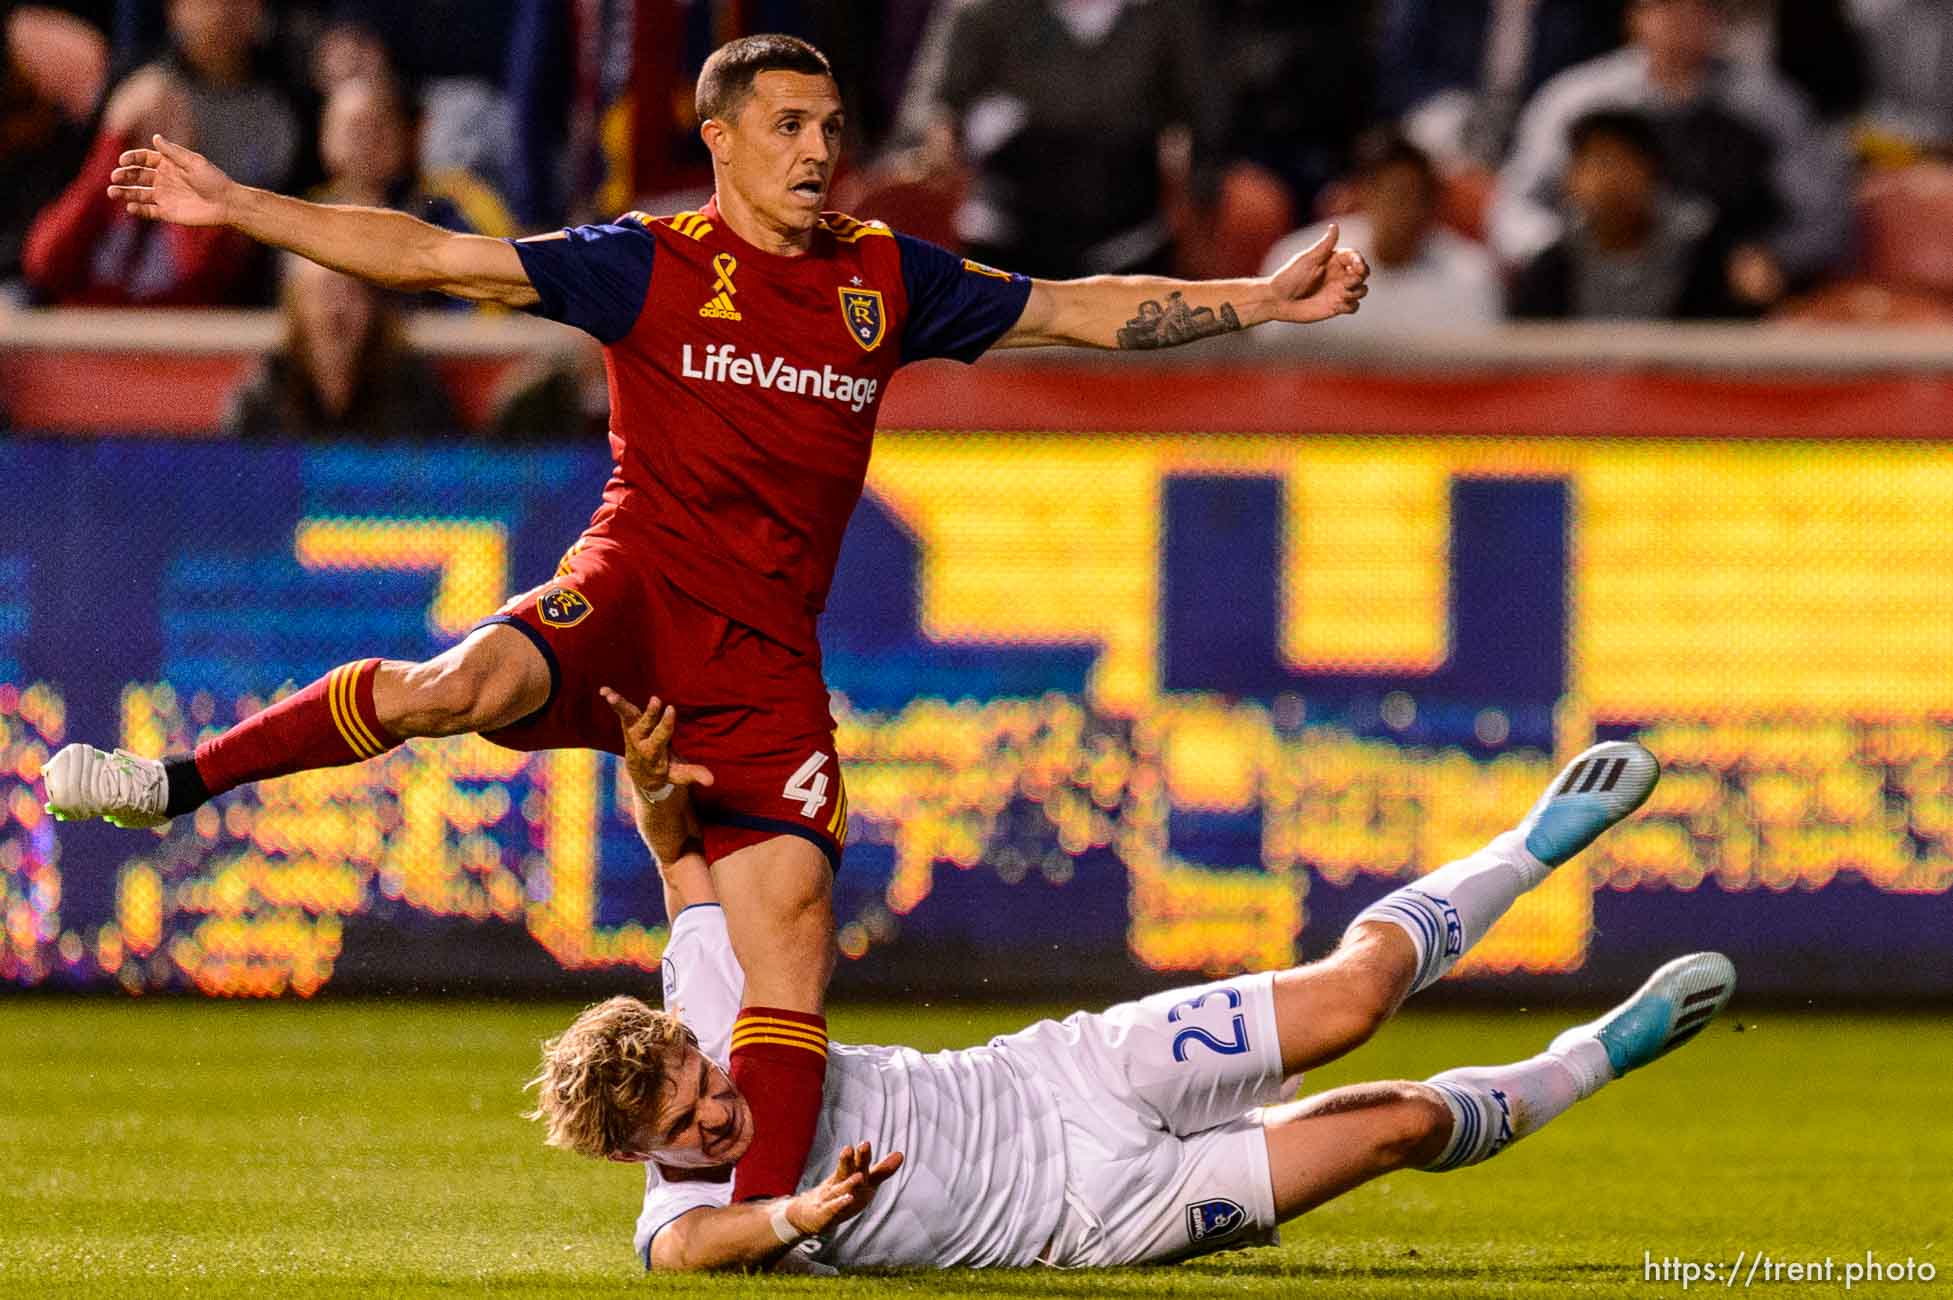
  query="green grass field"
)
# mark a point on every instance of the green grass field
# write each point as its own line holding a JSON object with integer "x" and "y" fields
{"x": 367, "y": 1149}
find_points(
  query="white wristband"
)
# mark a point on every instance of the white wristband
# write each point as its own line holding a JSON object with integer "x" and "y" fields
{"x": 660, "y": 794}
{"x": 783, "y": 1226}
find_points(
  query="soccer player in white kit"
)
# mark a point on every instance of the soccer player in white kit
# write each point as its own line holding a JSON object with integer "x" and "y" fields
{"x": 1154, "y": 1131}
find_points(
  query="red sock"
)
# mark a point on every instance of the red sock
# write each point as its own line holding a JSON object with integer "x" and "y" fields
{"x": 328, "y": 724}
{"x": 779, "y": 1063}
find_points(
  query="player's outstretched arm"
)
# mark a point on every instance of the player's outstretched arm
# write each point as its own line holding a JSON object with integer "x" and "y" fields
{"x": 1139, "y": 312}
{"x": 661, "y": 795}
{"x": 746, "y": 1235}
{"x": 167, "y": 182}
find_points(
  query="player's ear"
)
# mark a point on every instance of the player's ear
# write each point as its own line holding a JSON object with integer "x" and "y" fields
{"x": 717, "y": 139}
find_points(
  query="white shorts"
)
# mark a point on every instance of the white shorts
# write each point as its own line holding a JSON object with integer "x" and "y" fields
{"x": 1159, "y": 1101}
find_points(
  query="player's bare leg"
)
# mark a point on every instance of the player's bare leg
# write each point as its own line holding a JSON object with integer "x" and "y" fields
{"x": 492, "y": 679}
{"x": 1331, "y": 1143}
{"x": 355, "y": 712}
{"x": 779, "y": 901}
{"x": 1411, "y": 938}
{"x": 1323, "y": 1146}
{"x": 1330, "y": 1008}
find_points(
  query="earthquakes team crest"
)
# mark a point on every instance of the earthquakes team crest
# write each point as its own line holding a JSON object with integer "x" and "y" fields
{"x": 862, "y": 309}
{"x": 1210, "y": 1220}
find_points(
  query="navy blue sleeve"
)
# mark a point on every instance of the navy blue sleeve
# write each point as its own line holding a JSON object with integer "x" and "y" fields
{"x": 957, "y": 308}
{"x": 595, "y": 278}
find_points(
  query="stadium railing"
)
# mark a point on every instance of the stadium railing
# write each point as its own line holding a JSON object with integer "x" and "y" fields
{"x": 1590, "y": 379}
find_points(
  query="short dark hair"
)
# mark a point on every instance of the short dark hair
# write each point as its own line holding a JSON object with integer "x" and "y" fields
{"x": 1386, "y": 146}
{"x": 1622, "y": 126}
{"x": 727, "y": 77}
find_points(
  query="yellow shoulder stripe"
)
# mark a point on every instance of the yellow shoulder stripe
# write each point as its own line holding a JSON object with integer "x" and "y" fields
{"x": 692, "y": 225}
{"x": 849, "y": 230}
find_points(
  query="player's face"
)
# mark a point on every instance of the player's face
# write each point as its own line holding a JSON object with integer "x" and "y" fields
{"x": 703, "y": 1124}
{"x": 784, "y": 146}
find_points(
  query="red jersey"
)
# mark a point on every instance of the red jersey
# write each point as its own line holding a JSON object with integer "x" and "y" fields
{"x": 744, "y": 387}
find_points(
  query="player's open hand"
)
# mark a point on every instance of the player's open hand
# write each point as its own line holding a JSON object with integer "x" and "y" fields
{"x": 167, "y": 182}
{"x": 1321, "y": 281}
{"x": 647, "y": 744}
{"x": 844, "y": 1193}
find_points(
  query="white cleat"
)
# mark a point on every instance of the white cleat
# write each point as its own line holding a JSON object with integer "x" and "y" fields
{"x": 1676, "y": 1003}
{"x": 121, "y": 788}
{"x": 1593, "y": 792}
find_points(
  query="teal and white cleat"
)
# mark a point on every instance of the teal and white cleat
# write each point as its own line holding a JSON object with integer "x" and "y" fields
{"x": 1667, "y": 1011}
{"x": 121, "y": 788}
{"x": 1597, "y": 789}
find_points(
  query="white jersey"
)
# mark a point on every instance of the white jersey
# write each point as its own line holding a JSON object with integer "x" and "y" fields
{"x": 982, "y": 1182}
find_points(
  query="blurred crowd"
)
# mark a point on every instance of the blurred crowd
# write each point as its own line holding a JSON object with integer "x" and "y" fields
{"x": 1531, "y": 159}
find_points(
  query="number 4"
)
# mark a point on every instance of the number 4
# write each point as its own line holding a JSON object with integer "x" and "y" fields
{"x": 809, "y": 784}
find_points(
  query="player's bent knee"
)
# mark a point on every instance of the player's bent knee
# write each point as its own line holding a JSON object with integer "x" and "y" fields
{"x": 1329, "y": 1009}
{"x": 1364, "y": 1003}
{"x": 1367, "y": 1013}
{"x": 1402, "y": 1124}
{"x": 1421, "y": 1125}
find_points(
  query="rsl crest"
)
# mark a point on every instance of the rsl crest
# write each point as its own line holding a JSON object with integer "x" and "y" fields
{"x": 866, "y": 319}
{"x": 563, "y": 606}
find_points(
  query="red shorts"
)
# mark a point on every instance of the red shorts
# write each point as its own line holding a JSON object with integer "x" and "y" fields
{"x": 749, "y": 708}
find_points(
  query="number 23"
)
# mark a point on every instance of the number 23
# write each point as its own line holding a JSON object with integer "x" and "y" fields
{"x": 1195, "y": 1034}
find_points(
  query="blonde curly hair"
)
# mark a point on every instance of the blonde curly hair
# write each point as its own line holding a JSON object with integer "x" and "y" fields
{"x": 604, "y": 1076}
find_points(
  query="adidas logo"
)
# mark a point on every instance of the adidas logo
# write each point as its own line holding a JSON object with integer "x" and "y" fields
{"x": 1698, "y": 1009}
{"x": 721, "y": 308}
{"x": 1601, "y": 774}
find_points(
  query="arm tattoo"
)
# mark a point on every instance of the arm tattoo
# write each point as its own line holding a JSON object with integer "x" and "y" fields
{"x": 1175, "y": 323}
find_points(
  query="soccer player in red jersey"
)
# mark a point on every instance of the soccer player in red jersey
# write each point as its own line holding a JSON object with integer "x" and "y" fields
{"x": 748, "y": 345}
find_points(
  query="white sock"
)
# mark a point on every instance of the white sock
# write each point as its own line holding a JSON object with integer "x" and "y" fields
{"x": 1493, "y": 1106}
{"x": 1448, "y": 911}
